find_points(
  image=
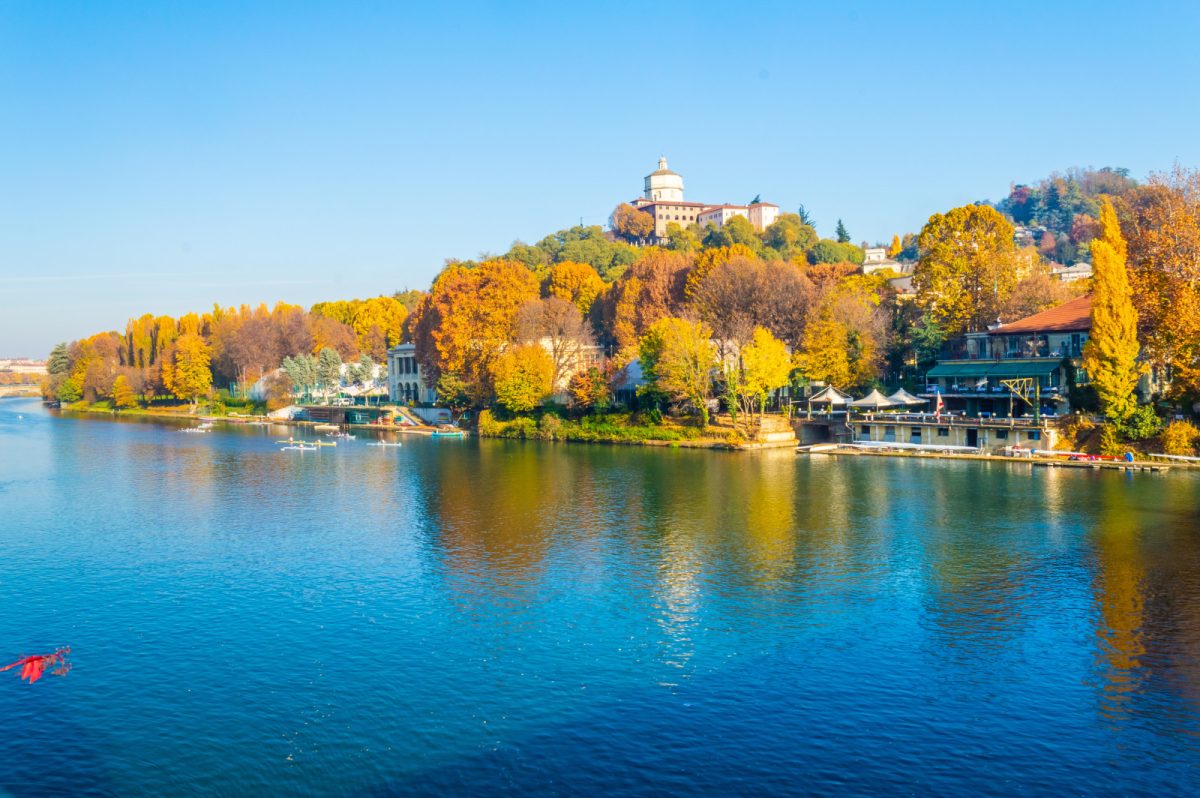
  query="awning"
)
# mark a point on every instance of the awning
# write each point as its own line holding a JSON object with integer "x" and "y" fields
{"x": 960, "y": 369}
{"x": 1026, "y": 368}
{"x": 1004, "y": 369}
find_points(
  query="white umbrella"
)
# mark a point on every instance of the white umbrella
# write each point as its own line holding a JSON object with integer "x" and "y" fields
{"x": 903, "y": 397}
{"x": 829, "y": 396}
{"x": 872, "y": 401}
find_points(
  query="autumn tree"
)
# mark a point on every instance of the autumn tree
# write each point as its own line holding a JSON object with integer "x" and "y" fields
{"x": 1164, "y": 264}
{"x": 651, "y": 289}
{"x": 967, "y": 269}
{"x": 186, "y": 371}
{"x": 677, "y": 358}
{"x": 590, "y": 390}
{"x": 556, "y": 325}
{"x": 895, "y": 248}
{"x": 631, "y": 223}
{"x": 577, "y": 283}
{"x": 122, "y": 393}
{"x": 825, "y": 356}
{"x": 379, "y": 325}
{"x": 468, "y": 318}
{"x": 1110, "y": 355}
{"x": 765, "y": 366}
{"x": 524, "y": 377}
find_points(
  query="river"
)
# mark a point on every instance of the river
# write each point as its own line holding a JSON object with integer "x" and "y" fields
{"x": 497, "y": 617}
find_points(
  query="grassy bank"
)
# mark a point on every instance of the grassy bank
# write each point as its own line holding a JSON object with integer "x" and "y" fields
{"x": 621, "y": 428}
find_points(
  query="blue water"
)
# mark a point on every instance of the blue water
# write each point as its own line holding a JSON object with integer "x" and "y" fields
{"x": 490, "y": 618}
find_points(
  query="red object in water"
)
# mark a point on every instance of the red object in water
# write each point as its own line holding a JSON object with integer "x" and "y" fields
{"x": 33, "y": 668}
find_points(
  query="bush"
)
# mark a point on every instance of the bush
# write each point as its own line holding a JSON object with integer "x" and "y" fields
{"x": 488, "y": 425}
{"x": 1180, "y": 438}
{"x": 1143, "y": 423}
{"x": 1110, "y": 442}
{"x": 549, "y": 427}
{"x": 1074, "y": 430}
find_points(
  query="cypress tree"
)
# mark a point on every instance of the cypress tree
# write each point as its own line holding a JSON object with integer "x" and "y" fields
{"x": 1110, "y": 355}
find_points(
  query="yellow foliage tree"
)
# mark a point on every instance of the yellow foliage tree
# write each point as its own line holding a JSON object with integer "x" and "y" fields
{"x": 1164, "y": 264}
{"x": 523, "y": 376}
{"x": 122, "y": 393}
{"x": 824, "y": 356}
{"x": 765, "y": 366}
{"x": 896, "y": 248}
{"x": 678, "y": 358}
{"x": 577, "y": 283}
{"x": 379, "y": 325}
{"x": 468, "y": 318}
{"x": 968, "y": 267}
{"x": 1111, "y": 352}
{"x": 189, "y": 375}
{"x": 709, "y": 260}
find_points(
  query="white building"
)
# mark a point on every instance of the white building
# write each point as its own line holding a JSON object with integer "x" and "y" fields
{"x": 405, "y": 383}
{"x": 663, "y": 200}
{"x": 875, "y": 259}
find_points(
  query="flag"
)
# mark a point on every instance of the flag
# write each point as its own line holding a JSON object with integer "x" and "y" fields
{"x": 937, "y": 408}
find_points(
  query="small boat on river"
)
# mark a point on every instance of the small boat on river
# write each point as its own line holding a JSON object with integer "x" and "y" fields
{"x": 385, "y": 443}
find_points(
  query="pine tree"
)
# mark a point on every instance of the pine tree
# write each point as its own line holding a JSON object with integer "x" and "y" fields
{"x": 1110, "y": 355}
{"x": 843, "y": 236}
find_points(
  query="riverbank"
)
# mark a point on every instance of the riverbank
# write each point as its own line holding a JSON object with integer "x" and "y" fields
{"x": 1050, "y": 461}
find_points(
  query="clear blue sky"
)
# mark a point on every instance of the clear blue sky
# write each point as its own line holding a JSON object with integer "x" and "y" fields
{"x": 163, "y": 156}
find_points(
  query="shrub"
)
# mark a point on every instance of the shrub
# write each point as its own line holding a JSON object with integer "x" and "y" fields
{"x": 523, "y": 428}
{"x": 1180, "y": 438}
{"x": 549, "y": 427}
{"x": 488, "y": 425}
{"x": 1110, "y": 442}
{"x": 1143, "y": 423}
{"x": 1074, "y": 430}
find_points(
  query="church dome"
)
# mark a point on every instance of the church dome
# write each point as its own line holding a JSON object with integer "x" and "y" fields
{"x": 663, "y": 185}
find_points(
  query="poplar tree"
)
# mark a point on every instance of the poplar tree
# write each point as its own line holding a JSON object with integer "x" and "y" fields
{"x": 1110, "y": 354}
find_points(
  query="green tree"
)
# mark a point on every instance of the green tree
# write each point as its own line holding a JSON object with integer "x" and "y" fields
{"x": 329, "y": 370}
{"x": 826, "y": 251}
{"x": 843, "y": 237}
{"x": 1110, "y": 355}
{"x": 677, "y": 359}
{"x": 58, "y": 362}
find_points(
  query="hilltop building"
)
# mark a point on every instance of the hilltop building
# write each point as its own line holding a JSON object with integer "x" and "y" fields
{"x": 662, "y": 198}
{"x": 875, "y": 259}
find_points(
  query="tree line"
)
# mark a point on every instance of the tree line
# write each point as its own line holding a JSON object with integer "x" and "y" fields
{"x": 518, "y": 328}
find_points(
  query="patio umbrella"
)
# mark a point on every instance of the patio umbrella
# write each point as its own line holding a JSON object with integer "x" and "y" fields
{"x": 829, "y": 396}
{"x": 872, "y": 401}
{"x": 903, "y": 397}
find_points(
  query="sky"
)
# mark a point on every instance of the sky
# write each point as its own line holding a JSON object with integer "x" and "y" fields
{"x": 165, "y": 156}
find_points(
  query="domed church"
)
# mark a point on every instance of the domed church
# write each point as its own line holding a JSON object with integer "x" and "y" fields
{"x": 663, "y": 199}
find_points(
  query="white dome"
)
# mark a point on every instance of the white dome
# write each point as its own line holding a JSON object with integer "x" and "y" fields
{"x": 663, "y": 185}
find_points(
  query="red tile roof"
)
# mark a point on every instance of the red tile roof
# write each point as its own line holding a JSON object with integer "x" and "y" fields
{"x": 1074, "y": 316}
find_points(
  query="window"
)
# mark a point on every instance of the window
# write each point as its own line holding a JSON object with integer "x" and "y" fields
{"x": 866, "y": 430}
{"x": 943, "y": 432}
{"x": 1034, "y": 435}
{"x": 915, "y": 435}
{"x": 1001, "y": 434}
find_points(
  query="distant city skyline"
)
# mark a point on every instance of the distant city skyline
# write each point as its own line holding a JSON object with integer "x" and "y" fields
{"x": 163, "y": 158}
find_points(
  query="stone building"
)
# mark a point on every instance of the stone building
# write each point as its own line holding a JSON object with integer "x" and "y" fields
{"x": 662, "y": 198}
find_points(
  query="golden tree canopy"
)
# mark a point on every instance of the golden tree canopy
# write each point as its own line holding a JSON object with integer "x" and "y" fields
{"x": 967, "y": 269}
